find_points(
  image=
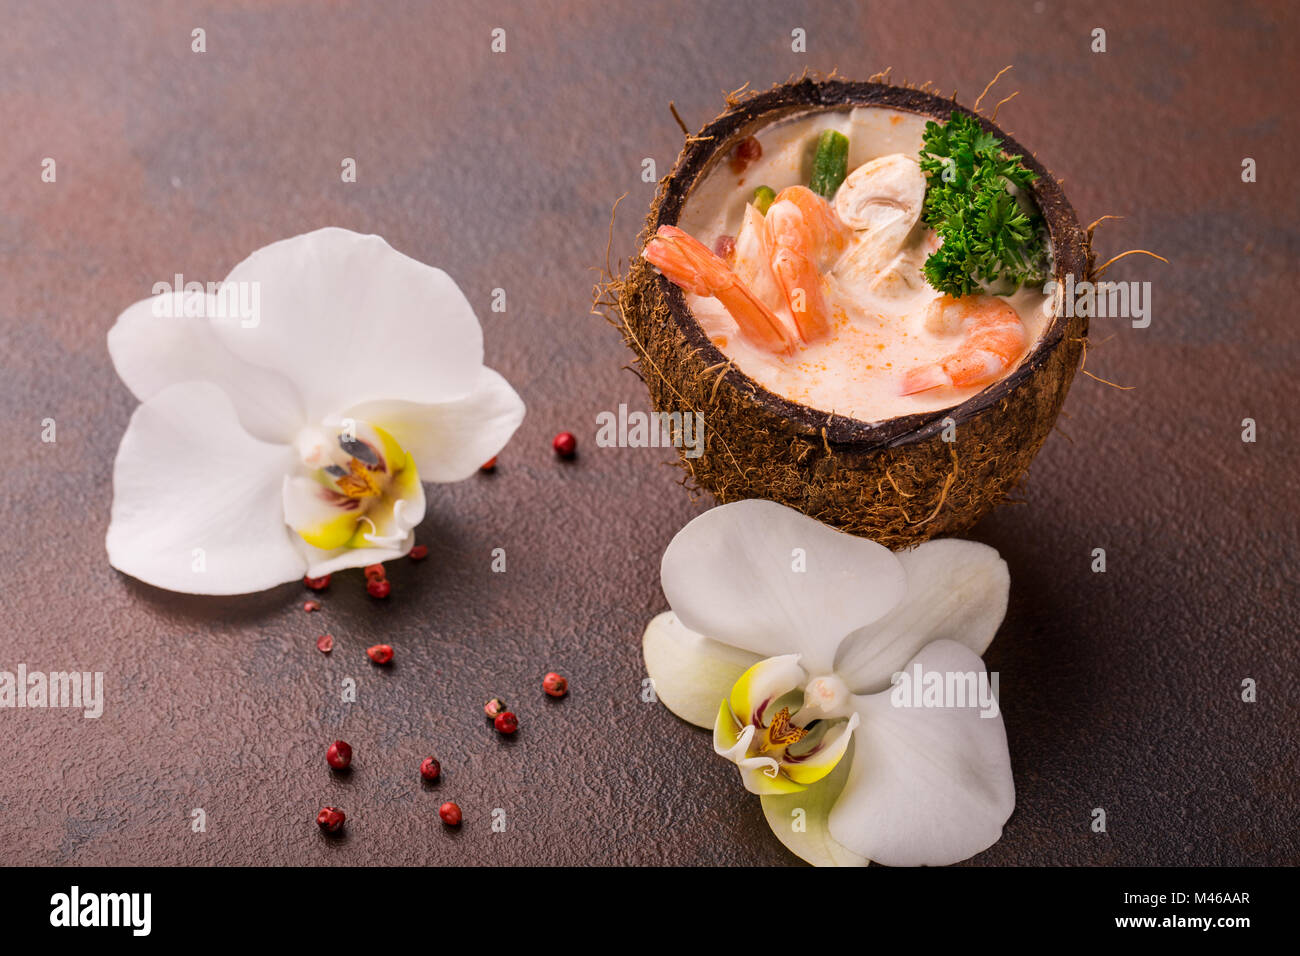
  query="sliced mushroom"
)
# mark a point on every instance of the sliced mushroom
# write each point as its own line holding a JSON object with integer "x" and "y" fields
{"x": 885, "y": 194}
{"x": 882, "y": 201}
{"x": 872, "y": 269}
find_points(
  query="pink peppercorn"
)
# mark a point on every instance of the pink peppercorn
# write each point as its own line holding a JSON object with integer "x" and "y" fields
{"x": 555, "y": 685}
{"x": 339, "y": 755}
{"x": 330, "y": 819}
{"x": 565, "y": 445}
{"x": 506, "y": 723}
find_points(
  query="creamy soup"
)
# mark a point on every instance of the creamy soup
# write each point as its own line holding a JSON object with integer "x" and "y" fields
{"x": 884, "y": 319}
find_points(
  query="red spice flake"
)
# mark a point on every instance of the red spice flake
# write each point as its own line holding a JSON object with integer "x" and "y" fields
{"x": 375, "y": 572}
{"x": 330, "y": 819}
{"x": 506, "y": 722}
{"x": 325, "y": 643}
{"x": 419, "y": 553}
{"x": 317, "y": 584}
{"x": 555, "y": 685}
{"x": 310, "y": 606}
{"x": 380, "y": 653}
{"x": 565, "y": 445}
{"x": 379, "y": 587}
{"x": 430, "y": 769}
{"x": 489, "y": 465}
{"x": 747, "y": 151}
{"x": 494, "y": 707}
{"x": 450, "y": 814}
{"x": 339, "y": 755}
{"x": 724, "y": 247}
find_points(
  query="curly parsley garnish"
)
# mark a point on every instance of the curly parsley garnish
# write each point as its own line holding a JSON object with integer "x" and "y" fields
{"x": 987, "y": 235}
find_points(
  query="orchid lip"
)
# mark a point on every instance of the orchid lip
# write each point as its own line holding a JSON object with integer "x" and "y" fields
{"x": 355, "y": 487}
{"x": 777, "y": 752}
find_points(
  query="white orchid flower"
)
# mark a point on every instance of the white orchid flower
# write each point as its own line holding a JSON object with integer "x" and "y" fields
{"x": 801, "y": 632}
{"x": 293, "y": 440}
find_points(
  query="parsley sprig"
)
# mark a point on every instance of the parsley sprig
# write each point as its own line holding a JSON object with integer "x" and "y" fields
{"x": 987, "y": 235}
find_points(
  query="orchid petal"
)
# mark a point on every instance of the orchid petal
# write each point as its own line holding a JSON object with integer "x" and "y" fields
{"x": 690, "y": 672}
{"x": 956, "y": 590}
{"x": 928, "y": 785}
{"x": 197, "y": 500}
{"x": 321, "y": 562}
{"x": 450, "y": 440}
{"x": 765, "y": 578}
{"x": 167, "y": 339}
{"x": 347, "y": 319}
{"x": 799, "y": 820}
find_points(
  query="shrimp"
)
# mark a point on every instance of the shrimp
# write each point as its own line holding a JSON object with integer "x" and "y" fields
{"x": 828, "y": 234}
{"x": 752, "y": 261}
{"x": 804, "y": 234}
{"x": 994, "y": 339}
{"x": 686, "y": 262}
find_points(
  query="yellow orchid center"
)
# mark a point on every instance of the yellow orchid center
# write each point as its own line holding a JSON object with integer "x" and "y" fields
{"x": 358, "y": 488}
{"x": 778, "y": 752}
{"x": 360, "y": 481}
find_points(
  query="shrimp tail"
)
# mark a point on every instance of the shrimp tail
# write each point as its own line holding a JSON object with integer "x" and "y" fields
{"x": 687, "y": 263}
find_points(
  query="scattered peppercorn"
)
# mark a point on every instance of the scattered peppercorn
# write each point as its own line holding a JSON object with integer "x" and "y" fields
{"x": 450, "y": 814}
{"x": 339, "y": 755}
{"x": 555, "y": 685}
{"x": 310, "y": 606}
{"x": 325, "y": 643}
{"x": 330, "y": 819}
{"x": 506, "y": 722}
{"x": 430, "y": 769}
{"x": 419, "y": 553}
{"x": 565, "y": 445}
{"x": 317, "y": 584}
{"x": 380, "y": 653}
{"x": 375, "y": 572}
{"x": 379, "y": 587}
{"x": 494, "y": 707}
{"x": 489, "y": 465}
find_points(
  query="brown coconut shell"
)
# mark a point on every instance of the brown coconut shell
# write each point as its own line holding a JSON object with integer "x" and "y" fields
{"x": 896, "y": 481}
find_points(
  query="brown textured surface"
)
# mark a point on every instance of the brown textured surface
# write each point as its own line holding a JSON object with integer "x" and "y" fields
{"x": 900, "y": 481}
{"x": 1120, "y": 689}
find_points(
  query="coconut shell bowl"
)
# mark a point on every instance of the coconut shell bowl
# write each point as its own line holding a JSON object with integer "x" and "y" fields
{"x": 899, "y": 481}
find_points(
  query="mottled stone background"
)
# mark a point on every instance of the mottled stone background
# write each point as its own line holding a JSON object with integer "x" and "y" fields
{"x": 1121, "y": 690}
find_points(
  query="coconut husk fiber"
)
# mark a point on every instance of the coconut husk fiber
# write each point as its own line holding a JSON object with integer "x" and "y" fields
{"x": 897, "y": 481}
